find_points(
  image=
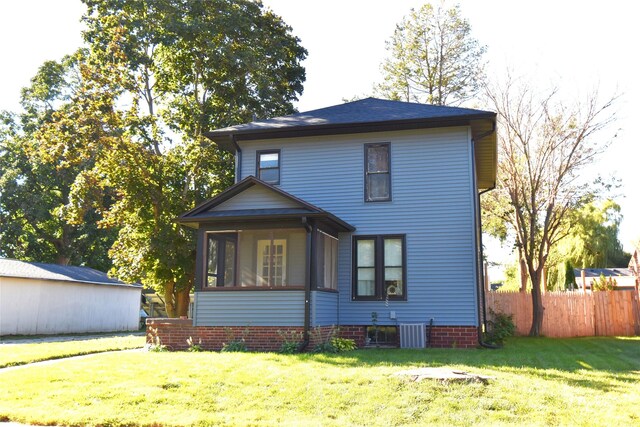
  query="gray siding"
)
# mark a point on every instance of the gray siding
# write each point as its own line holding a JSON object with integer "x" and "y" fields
{"x": 433, "y": 196}
{"x": 324, "y": 308}
{"x": 256, "y": 198}
{"x": 249, "y": 308}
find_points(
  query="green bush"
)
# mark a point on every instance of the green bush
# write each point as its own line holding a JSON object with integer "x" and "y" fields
{"x": 194, "y": 347}
{"x": 324, "y": 347}
{"x": 604, "y": 284}
{"x": 501, "y": 326}
{"x": 331, "y": 344}
{"x": 233, "y": 343}
{"x": 290, "y": 341}
{"x": 343, "y": 344}
{"x": 238, "y": 346}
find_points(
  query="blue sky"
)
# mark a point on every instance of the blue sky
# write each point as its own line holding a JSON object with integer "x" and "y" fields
{"x": 575, "y": 45}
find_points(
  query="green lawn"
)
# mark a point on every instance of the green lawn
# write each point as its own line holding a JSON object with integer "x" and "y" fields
{"x": 21, "y": 353}
{"x": 592, "y": 381}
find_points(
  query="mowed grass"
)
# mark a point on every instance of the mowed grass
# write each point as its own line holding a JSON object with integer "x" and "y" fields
{"x": 591, "y": 381}
{"x": 18, "y": 353}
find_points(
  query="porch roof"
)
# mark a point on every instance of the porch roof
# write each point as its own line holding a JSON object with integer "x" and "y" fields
{"x": 291, "y": 207}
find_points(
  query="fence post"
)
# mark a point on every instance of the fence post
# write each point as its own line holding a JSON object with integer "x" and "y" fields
{"x": 584, "y": 281}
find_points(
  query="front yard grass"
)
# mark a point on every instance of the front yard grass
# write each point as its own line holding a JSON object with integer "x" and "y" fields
{"x": 18, "y": 353}
{"x": 589, "y": 381}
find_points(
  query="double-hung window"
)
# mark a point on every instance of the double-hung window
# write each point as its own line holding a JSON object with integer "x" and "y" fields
{"x": 379, "y": 267}
{"x": 268, "y": 166}
{"x": 377, "y": 172}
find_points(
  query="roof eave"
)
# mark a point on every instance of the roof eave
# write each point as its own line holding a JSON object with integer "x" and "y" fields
{"x": 195, "y": 222}
{"x": 225, "y": 138}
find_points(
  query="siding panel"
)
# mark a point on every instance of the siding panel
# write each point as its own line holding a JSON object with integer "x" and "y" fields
{"x": 432, "y": 191}
{"x": 256, "y": 198}
{"x": 249, "y": 308}
{"x": 324, "y": 308}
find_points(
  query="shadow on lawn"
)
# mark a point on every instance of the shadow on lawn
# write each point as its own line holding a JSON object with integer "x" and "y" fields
{"x": 584, "y": 362}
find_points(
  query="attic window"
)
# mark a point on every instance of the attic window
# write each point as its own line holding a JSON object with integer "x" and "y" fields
{"x": 268, "y": 166}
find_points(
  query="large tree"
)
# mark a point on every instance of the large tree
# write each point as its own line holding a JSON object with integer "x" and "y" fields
{"x": 159, "y": 75}
{"x": 591, "y": 242}
{"x": 592, "y": 239}
{"x": 544, "y": 145}
{"x": 35, "y": 194}
{"x": 433, "y": 58}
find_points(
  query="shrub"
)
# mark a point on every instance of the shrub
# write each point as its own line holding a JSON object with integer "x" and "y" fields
{"x": 290, "y": 341}
{"x": 194, "y": 347}
{"x": 233, "y": 343}
{"x": 237, "y": 346}
{"x": 331, "y": 344}
{"x": 157, "y": 346}
{"x": 325, "y": 347}
{"x": 501, "y": 326}
{"x": 604, "y": 284}
{"x": 343, "y": 344}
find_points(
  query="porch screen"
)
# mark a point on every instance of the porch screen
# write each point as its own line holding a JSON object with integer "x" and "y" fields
{"x": 327, "y": 256}
{"x": 271, "y": 258}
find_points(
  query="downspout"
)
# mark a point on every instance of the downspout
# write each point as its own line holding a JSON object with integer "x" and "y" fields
{"x": 307, "y": 287}
{"x": 482, "y": 306}
{"x": 481, "y": 290}
{"x": 238, "y": 158}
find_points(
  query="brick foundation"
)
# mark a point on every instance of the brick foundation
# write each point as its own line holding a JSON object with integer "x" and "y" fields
{"x": 174, "y": 333}
{"x": 454, "y": 336}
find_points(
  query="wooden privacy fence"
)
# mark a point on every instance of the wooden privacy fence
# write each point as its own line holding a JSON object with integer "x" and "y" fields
{"x": 573, "y": 314}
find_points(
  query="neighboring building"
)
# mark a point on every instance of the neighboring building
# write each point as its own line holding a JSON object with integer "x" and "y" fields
{"x": 38, "y": 298}
{"x": 353, "y": 215}
{"x": 624, "y": 277}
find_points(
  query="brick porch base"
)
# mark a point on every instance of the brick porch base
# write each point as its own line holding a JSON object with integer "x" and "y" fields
{"x": 174, "y": 333}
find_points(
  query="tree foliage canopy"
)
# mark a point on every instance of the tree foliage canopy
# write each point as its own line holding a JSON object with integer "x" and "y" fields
{"x": 592, "y": 238}
{"x": 154, "y": 78}
{"x": 35, "y": 190}
{"x": 433, "y": 58}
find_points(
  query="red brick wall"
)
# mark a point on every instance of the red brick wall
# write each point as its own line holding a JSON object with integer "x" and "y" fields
{"x": 356, "y": 333}
{"x": 454, "y": 336}
{"x": 174, "y": 333}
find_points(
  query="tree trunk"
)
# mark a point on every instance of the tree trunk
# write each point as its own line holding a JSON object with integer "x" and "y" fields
{"x": 182, "y": 302}
{"x": 62, "y": 259}
{"x": 538, "y": 308}
{"x": 169, "y": 299}
{"x": 524, "y": 276}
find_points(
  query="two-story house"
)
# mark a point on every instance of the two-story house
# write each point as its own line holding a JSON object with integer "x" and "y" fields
{"x": 363, "y": 215}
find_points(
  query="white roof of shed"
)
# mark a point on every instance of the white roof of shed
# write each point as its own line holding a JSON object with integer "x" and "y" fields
{"x": 66, "y": 273}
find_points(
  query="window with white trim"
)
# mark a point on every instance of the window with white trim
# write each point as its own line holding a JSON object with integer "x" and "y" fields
{"x": 379, "y": 267}
{"x": 268, "y": 166}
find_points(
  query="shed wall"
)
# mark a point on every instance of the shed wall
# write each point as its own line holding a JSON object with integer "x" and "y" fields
{"x": 33, "y": 306}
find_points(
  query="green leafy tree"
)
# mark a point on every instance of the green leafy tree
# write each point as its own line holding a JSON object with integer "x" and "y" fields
{"x": 159, "y": 75}
{"x": 433, "y": 58}
{"x": 35, "y": 193}
{"x": 591, "y": 242}
{"x": 543, "y": 147}
{"x": 592, "y": 237}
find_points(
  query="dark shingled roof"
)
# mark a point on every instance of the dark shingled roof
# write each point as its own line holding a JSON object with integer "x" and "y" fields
{"x": 607, "y": 272}
{"x": 66, "y": 273}
{"x": 205, "y": 213}
{"x": 368, "y": 114}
